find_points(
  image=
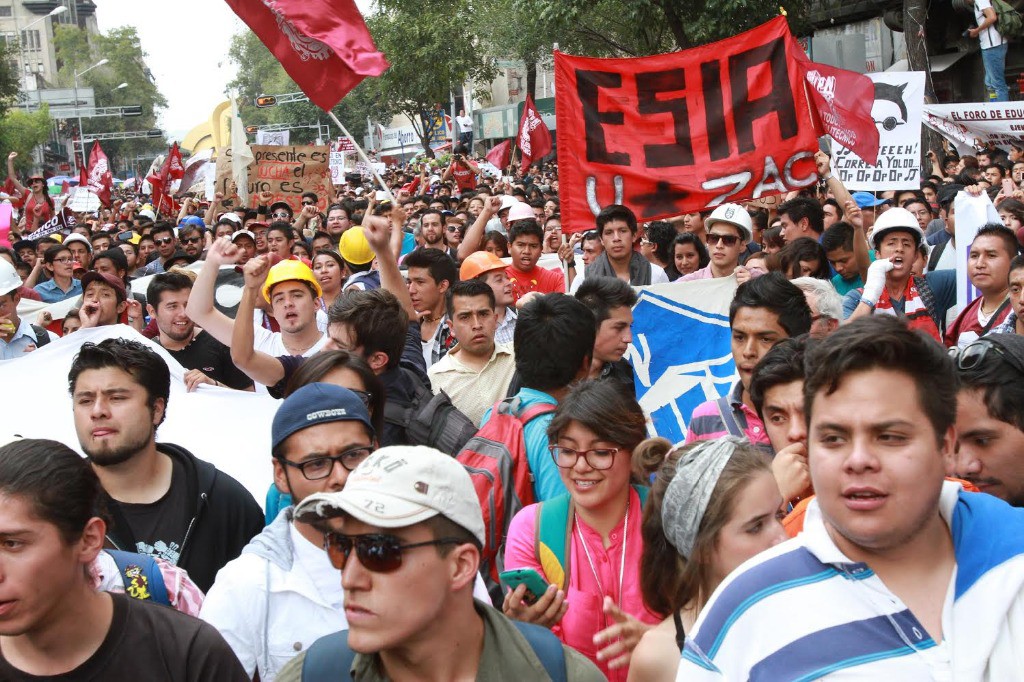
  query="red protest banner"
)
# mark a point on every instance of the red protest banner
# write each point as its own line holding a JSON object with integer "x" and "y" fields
{"x": 534, "y": 136}
{"x": 679, "y": 132}
{"x": 100, "y": 179}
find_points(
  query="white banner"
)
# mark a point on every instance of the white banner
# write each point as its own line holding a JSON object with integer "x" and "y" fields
{"x": 278, "y": 137}
{"x": 897, "y": 111}
{"x": 976, "y": 124}
{"x": 230, "y": 429}
{"x": 971, "y": 213}
{"x": 337, "y": 164}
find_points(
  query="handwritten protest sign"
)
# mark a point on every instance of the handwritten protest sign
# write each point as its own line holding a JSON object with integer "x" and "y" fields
{"x": 897, "y": 107}
{"x": 284, "y": 171}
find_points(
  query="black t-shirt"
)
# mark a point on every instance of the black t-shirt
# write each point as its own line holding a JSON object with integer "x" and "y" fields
{"x": 159, "y": 527}
{"x": 212, "y": 358}
{"x": 153, "y": 643}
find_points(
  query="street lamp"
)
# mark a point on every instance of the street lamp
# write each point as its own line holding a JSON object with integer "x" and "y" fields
{"x": 81, "y": 137}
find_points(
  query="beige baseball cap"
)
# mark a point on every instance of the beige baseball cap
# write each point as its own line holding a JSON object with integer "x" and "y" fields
{"x": 400, "y": 486}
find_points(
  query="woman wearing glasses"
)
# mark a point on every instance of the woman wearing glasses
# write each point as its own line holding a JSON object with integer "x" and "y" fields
{"x": 587, "y": 544}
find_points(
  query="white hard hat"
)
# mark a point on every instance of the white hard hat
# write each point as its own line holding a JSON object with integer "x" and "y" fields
{"x": 896, "y": 219}
{"x": 732, "y": 214}
{"x": 520, "y": 211}
{"x": 9, "y": 279}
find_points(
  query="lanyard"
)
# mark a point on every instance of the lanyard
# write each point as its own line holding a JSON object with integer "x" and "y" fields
{"x": 622, "y": 563}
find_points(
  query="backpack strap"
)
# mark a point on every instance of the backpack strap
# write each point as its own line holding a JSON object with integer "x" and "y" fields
{"x": 42, "y": 337}
{"x": 329, "y": 658}
{"x": 552, "y": 538}
{"x": 928, "y": 298}
{"x": 935, "y": 255}
{"x": 641, "y": 491}
{"x": 729, "y": 417}
{"x": 534, "y": 411}
{"x": 141, "y": 575}
{"x": 547, "y": 647}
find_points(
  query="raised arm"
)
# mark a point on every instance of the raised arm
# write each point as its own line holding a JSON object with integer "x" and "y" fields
{"x": 378, "y": 234}
{"x": 12, "y": 175}
{"x": 258, "y": 366}
{"x": 200, "y": 302}
{"x": 474, "y": 238}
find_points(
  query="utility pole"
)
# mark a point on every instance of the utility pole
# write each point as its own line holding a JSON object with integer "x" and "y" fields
{"x": 915, "y": 13}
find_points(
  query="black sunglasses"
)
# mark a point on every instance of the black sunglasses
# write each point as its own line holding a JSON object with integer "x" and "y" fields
{"x": 164, "y": 240}
{"x": 191, "y": 240}
{"x": 972, "y": 355}
{"x": 727, "y": 239}
{"x": 321, "y": 467}
{"x": 376, "y": 552}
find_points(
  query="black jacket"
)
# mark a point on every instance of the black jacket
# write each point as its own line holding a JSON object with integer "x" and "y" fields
{"x": 224, "y": 519}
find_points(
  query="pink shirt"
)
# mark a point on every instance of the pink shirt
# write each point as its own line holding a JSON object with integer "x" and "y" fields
{"x": 585, "y": 618}
{"x": 705, "y": 273}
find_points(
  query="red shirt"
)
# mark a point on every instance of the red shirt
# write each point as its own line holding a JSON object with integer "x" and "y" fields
{"x": 539, "y": 279}
{"x": 30, "y": 213}
{"x": 464, "y": 176}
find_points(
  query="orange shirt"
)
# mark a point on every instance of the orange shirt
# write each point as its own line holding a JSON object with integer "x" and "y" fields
{"x": 539, "y": 279}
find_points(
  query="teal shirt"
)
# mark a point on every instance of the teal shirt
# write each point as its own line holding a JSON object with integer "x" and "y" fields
{"x": 845, "y": 286}
{"x": 547, "y": 483}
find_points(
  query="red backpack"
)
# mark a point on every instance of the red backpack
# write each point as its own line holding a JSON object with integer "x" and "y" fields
{"x": 496, "y": 461}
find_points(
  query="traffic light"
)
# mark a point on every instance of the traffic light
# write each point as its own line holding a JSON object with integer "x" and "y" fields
{"x": 252, "y": 130}
{"x": 264, "y": 101}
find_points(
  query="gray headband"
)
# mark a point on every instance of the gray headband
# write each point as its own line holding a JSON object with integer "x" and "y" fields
{"x": 687, "y": 496}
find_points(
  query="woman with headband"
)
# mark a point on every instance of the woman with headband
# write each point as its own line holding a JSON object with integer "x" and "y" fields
{"x": 712, "y": 507}
{"x": 586, "y": 544}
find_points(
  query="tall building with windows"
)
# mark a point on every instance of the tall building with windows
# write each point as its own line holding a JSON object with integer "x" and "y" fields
{"x": 34, "y": 21}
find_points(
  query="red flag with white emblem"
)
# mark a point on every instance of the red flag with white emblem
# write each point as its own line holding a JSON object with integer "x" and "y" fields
{"x": 534, "y": 137}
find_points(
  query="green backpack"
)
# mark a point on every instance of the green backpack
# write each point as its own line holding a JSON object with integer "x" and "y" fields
{"x": 553, "y": 536}
{"x": 1009, "y": 22}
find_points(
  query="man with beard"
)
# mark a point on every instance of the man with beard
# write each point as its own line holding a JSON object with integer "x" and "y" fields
{"x": 432, "y": 229}
{"x": 164, "y": 501}
{"x": 207, "y": 360}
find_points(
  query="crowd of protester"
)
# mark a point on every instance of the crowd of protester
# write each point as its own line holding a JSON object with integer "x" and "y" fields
{"x": 849, "y": 507}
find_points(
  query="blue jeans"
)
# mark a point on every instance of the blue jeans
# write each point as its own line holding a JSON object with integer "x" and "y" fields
{"x": 994, "y": 59}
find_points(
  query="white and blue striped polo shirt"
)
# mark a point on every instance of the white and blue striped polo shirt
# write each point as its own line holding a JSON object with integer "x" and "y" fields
{"x": 804, "y": 611}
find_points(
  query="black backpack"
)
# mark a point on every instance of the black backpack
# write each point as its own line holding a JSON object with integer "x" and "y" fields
{"x": 42, "y": 336}
{"x": 430, "y": 420}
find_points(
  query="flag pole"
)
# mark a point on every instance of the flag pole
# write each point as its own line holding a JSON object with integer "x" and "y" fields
{"x": 362, "y": 155}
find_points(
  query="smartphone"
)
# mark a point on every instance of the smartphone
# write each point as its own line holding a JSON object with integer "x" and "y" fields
{"x": 1008, "y": 186}
{"x": 535, "y": 585}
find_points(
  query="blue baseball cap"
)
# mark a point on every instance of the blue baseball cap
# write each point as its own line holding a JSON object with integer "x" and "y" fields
{"x": 867, "y": 199}
{"x": 317, "y": 404}
{"x": 192, "y": 220}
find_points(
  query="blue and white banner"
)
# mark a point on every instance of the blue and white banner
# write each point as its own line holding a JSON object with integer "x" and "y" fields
{"x": 681, "y": 352}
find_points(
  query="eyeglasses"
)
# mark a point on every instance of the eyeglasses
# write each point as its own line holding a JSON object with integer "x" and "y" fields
{"x": 63, "y": 260}
{"x": 599, "y": 459}
{"x": 164, "y": 240}
{"x": 280, "y": 214}
{"x": 376, "y": 552}
{"x": 974, "y": 353}
{"x": 452, "y": 228}
{"x": 191, "y": 240}
{"x": 644, "y": 241}
{"x": 890, "y": 122}
{"x": 727, "y": 239}
{"x": 321, "y": 467}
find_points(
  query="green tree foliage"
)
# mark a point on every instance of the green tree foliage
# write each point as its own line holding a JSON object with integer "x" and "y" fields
{"x": 259, "y": 73}
{"x": 432, "y": 49}
{"x": 22, "y": 132}
{"x": 9, "y": 86}
{"x": 126, "y": 64}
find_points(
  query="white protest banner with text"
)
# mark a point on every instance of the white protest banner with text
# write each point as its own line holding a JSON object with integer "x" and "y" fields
{"x": 897, "y": 110}
{"x": 972, "y": 125}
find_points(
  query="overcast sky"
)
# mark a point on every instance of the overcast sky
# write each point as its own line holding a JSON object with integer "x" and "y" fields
{"x": 186, "y": 42}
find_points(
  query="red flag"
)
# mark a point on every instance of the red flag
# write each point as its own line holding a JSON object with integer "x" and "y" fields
{"x": 499, "y": 156}
{"x": 65, "y": 188}
{"x": 324, "y": 45}
{"x": 842, "y": 101}
{"x": 99, "y": 179}
{"x": 676, "y": 133}
{"x": 534, "y": 137}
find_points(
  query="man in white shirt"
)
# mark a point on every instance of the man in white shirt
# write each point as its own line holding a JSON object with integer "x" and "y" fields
{"x": 466, "y": 129}
{"x": 993, "y": 50}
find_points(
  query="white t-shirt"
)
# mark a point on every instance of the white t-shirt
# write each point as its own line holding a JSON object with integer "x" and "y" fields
{"x": 466, "y": 122}
{"x": 990, "y": 37}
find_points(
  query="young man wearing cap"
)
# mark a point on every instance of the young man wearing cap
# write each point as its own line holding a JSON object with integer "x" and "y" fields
{"x": 81, "y": 250}
{"x": 475, "y": 373}
{"x": 290, "y": 289}
{"x": 165, "y": 502}
{"x": 897, "y": 574}
{"x": 245, "y": 241}
{"x": 104, "y": 299}
{"x": 989, "y": 422}
{"x": 728, "y": 231}
{"x": 891, "y": 287}
{"x": 490, "y": 270}
{"x": 207, "y": 360}
{"x": 17, "y": 336}
{"x": 988, "y": 268}
{"x": 166, "y": 240}
{"x": 59, "y": 264}
{"x": 763, "y": 312}
{"x": 616, "y": 225}
{"x": 192, "y": 240}
{"x": 406, "y": 533}
{"x": 282, "y": 594}
{"x": 801, "y": 217}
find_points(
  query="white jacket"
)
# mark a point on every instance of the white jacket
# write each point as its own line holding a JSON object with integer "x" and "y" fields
{"x": 266, "y": 605}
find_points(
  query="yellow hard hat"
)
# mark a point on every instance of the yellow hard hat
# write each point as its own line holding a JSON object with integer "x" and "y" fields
{"x": 287, "y": 271}
{"x": 353, "y": 246}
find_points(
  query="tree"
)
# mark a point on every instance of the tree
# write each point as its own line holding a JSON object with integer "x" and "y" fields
{"x": 432, "y": 51}
{"x": 259, "y": 73}
{"x": 9, "y": 85}
{"x": 126, "y": 63}
{"x": 21, "y": 132}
